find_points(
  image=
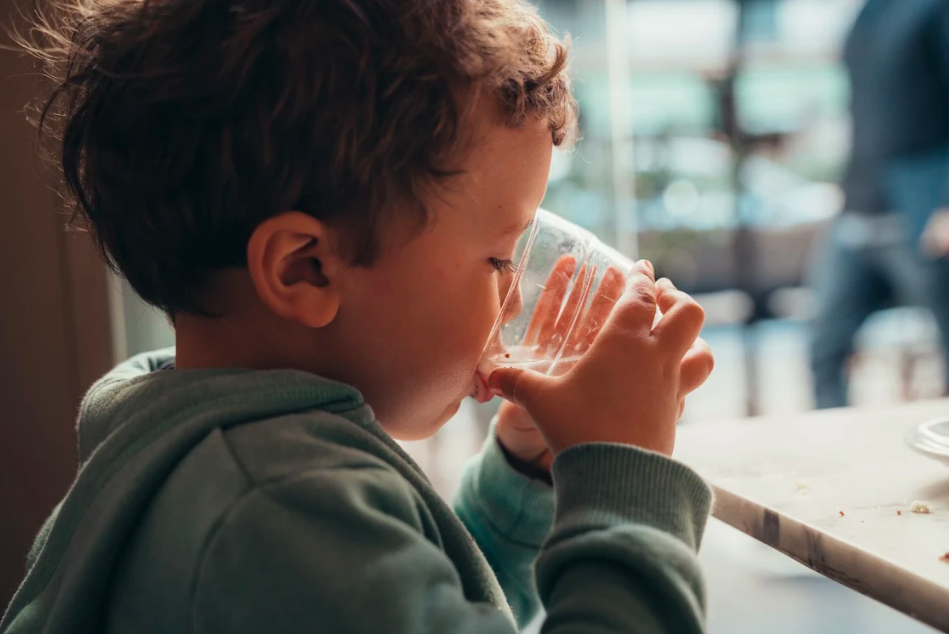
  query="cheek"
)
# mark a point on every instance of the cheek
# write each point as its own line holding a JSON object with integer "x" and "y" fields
{"x": 434, "y": 323}
{"x": 381, "y": 287}
{"x": 440, "y": 274}
{"x": 467, "y": 308}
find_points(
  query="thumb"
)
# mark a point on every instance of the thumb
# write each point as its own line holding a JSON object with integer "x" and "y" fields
{"x": 520, "y": 386}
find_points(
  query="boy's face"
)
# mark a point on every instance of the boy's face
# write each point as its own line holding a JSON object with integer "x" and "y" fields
{"x": 410, "y": 329}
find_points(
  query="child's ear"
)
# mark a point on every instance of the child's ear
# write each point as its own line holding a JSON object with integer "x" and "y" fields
{"x": 295, "y": 267}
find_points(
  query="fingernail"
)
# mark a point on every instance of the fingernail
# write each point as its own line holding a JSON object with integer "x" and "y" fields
{"x": 647, "y": 266}
{"x": 667, "y": 282}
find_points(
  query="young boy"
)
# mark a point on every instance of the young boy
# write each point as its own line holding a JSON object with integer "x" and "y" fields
{"x": 325, "y": 196}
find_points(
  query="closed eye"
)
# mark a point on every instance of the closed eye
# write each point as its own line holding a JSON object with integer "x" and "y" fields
{"x": 502, "y": 266}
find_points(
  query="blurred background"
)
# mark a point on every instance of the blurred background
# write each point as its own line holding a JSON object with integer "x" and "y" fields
{"x": 715, "y": 138}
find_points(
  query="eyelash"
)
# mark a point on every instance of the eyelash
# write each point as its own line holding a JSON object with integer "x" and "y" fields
{"x": 502, "y": 266}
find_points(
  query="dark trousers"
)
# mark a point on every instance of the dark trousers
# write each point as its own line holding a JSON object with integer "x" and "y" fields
{"x": 863, "y": 263}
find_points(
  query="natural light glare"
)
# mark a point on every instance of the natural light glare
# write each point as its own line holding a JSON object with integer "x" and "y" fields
{"x": 682, "y": 32}
{"x": 816, "y": 25}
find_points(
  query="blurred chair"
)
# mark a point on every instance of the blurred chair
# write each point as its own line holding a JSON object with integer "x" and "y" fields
{"x": 903, "y": 340}
{"x": 907, "y": 340}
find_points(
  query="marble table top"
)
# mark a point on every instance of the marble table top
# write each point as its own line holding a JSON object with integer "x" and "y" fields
{"x": 834, "y": 490}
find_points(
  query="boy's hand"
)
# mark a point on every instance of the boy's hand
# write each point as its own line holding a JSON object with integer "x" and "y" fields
{"x": 630, "y": 386}
{"x": 515, "y": 429}
{"x": 521, "y": 438}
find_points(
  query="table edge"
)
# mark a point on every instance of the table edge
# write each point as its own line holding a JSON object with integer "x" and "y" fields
{"x": 871, "y": 574}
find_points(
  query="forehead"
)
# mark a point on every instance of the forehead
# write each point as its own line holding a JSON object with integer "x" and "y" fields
{"x": 503, "y": 176}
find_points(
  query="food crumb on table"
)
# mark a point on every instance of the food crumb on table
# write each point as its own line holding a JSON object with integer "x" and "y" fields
{"x": 801, "y": 485}
{"x": 921, "y": 507}
{"x": 841, "y": 513}
{"x": 945, "y": 558}
{"x": 899, "y": 512}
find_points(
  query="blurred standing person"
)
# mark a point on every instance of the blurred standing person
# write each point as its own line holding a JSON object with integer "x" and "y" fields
{"x": 897, "y": 183}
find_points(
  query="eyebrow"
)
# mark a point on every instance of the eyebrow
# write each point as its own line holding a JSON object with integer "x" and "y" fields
{"x": 519, "y": 229}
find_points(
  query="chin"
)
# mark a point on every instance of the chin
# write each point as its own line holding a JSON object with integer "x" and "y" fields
{"x": 415, "y": 432}
{"x": 451, "y": 411}
{"x": 445, "y": 416}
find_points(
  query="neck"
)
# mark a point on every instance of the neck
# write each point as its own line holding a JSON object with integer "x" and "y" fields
{"x": 244, "y": 335}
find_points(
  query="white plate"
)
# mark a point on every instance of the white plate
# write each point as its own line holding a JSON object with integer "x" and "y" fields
{"x": 930, "y": 439}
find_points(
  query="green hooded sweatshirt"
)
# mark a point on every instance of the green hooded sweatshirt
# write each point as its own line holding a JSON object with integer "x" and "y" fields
{"x": 233, "y": 501}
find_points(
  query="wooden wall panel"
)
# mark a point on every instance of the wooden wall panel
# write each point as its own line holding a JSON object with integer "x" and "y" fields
{"x": 54, "y": 325}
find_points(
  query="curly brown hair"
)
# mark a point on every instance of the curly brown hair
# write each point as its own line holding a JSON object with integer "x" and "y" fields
{"x": 181, "y": 125}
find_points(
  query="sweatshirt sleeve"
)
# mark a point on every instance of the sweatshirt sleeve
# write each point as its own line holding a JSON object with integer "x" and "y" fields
{"x": 622, "y": 555}
{"x": 346, "y": 551}
{"x": 509, "y": 515}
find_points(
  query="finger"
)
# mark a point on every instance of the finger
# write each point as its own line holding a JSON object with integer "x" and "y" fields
{"x": 517, "y": 433}
{"x": 515, "y": 417}
{"x": 695, "y": 367}
{"x": 682, "y": 317}
{"x": 517, "y": 385}
{"x": 605, "y": 298}
{"x": 681, "y": 409}
{"x": 551, "y": 299}
{"x": 581, "y": 287}
{"x": 636, "y": 308}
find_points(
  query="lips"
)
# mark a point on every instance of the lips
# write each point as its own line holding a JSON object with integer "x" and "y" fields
{"x": 479, "y": 388}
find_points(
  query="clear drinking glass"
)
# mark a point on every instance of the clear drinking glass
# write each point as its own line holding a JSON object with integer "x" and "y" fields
{"x": 564, "y": 287}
